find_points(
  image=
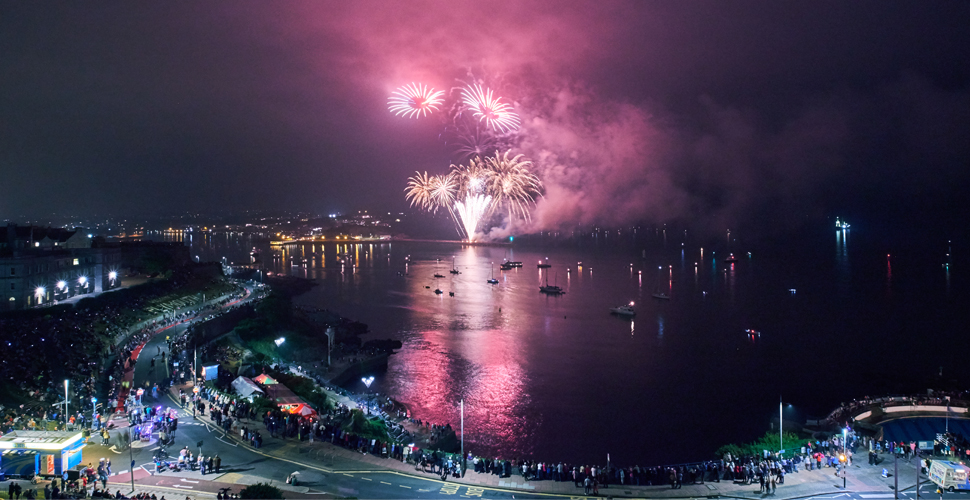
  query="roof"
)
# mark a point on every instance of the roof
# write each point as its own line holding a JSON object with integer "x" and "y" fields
{"x": 245, "y": 387}
{"x": 265, "y": 379}
{"x": 46, "y": 440}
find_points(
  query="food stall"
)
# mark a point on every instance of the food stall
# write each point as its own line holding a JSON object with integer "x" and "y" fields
{"x": 52, "y": 452}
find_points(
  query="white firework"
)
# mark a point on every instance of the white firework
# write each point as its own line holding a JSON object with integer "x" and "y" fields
{"x": 490, "y": 109}
{"x": 414, "y": 100}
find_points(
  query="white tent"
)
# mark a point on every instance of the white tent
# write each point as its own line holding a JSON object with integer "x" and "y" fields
{"x": 246, "y": 387}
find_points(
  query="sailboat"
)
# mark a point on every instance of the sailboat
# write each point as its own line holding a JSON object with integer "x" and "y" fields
{"x": 492, "y": 280}
{"x": 454, "y": 270}
{"x": 551, "y": 289}
{"x": 436, "y": 274}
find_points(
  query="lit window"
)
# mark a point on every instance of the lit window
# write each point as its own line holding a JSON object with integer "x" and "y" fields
{"x": 75, "y": 262}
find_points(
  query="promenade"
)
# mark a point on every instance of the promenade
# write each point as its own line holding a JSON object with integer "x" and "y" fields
{"x": 330, "y": 459}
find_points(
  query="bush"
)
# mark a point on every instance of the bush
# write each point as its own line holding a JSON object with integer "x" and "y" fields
{"x": 767, "y": 442}
{"x": 364, "y": 427}
{"x": 261, "y": 490}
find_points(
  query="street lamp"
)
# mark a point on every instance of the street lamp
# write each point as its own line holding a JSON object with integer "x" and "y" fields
{"x": 39, "y": 294}
{"x": 65, "y": 404}
{"x": 94, "y": 410}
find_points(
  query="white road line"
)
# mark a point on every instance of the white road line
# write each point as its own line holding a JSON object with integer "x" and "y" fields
{"x": 401, "y": 485}
{"x": 180, "y": 486}
{"x": 878, "y": 495}
{"x": 189, "y": 481}
{"x": 364, "y": 478}
{"x": 382, "y": 482}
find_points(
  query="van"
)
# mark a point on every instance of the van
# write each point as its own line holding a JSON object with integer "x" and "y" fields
{"x": 950, "y": 476}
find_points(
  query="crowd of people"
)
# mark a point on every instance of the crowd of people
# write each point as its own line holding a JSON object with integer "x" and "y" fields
{"x": 89, "y": 345}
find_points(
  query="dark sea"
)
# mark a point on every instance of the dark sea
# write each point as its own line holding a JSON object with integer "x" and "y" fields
{"x": 839, "y": 314}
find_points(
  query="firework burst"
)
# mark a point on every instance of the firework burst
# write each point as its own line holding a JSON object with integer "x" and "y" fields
{"x": 472, "y": 193}
{"x": 484, "y": 106}
{"x": 414, "y": 100}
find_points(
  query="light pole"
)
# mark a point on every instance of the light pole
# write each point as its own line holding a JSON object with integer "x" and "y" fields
{"x": 845, "y": 456}
{"x": 131, "y": 470}
{"x": 461, "y": 407}
{"x": 781, "y": 417}
{"x": 65, "y": 404}
{"x": 94, "y": 410}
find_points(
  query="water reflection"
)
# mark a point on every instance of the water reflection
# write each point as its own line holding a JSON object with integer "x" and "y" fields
{"x": 842, "y": 261}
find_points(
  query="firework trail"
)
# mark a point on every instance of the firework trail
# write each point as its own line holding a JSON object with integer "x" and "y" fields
{"x": 414, "y": 100}
{"x": 472, "y": 211}
{"x": 484, "y": 106}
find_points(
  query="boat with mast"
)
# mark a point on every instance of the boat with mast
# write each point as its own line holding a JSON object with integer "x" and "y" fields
{"x": 454, "y": 269}
{"x": 551, "y": 289}
{"x": 491, "y": 280}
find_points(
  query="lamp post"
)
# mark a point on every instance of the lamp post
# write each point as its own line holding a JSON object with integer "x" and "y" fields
{"x": 94, "y": 410}
{"x": 845, "y": 456}
{"x": 461, "y": 408}
{"x": 781, "y": 418}
{"x": 65, "y": 404}
{"x": 131, "y": 470}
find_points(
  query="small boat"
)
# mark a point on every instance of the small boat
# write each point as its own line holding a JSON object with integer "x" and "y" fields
{"x": 753, "y": 333}
{"x": 551, "y": 289}
{"x": 436, "y": 275}
{"x": 731, "y": 258}
{"x": 624, "y": 310}
{"x": 492, "y": 280}
{"x": 454, "y": 269}
{"x": 506, "y": 266}
{"x": 543, "y": 265}
{"x": 451, "y": 294}
{"x": 661, "y": 296}
{"x": 437, "y": 291}
{"x": 514, "y": 263}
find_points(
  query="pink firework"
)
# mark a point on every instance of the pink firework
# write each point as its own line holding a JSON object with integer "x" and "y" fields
{"x": 495, "y": 113}
{"x": 414, "y": 100}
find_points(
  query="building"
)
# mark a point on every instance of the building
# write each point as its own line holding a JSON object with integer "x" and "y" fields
{"x": 40, "y": 266}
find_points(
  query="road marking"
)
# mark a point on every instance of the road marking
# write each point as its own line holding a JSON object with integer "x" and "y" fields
{"x": 402, "y": 486}
{"x": 364, "y": 478}
{"x": 382, "y": 482}
{"x": 449, "y": 489}
{"x": 877, "y": 495}
{"x": 474, "y": 492}
{"x": 180, "y": 486}
{"x": 189, "y": 481}
{"x": 348, "y": 475}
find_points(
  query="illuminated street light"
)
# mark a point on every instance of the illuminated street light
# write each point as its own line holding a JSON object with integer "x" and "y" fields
{"x": 39, "y": 292}
{"x": 62, "y": 284}
{"x": 112, "y": 275}
{"x": 82, "y": 280}
{"x": 368, "y": 381}
{"x": 280, "y": 341}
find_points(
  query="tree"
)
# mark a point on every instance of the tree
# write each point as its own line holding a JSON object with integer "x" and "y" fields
{"x": 261, "y": 490}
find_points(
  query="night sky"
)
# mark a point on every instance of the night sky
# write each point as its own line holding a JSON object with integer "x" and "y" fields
{"x": 705, "y": 112}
